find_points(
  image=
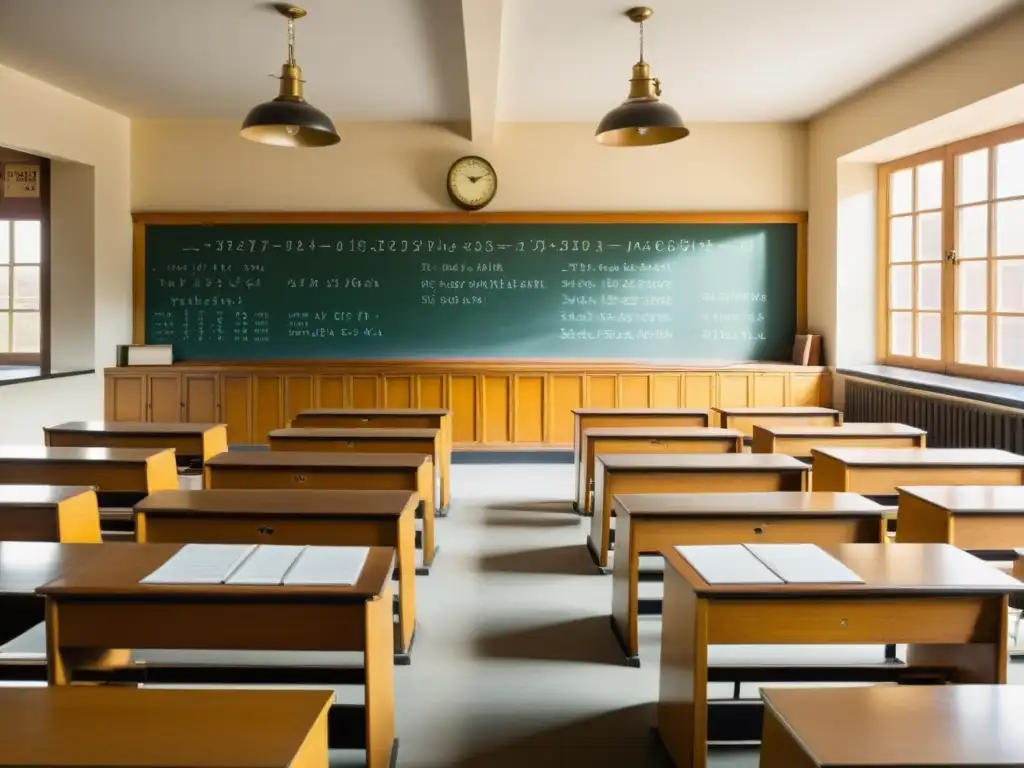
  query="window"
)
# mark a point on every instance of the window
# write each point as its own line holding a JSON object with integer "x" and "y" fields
{"x": 21, "y": 274}
{"x": 953, "y": 258}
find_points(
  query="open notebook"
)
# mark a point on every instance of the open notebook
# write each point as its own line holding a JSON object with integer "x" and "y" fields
{"x": 261, "y": 565}
{"x": 767, "y": 564}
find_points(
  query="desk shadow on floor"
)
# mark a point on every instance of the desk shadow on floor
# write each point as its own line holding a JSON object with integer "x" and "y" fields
{"x": 532, "y": 506}
{"x": 588, "y": 640}
{"x": 532, "y": 521}
{"x": 567, "y": 560}
{"x": 618, "y": 739}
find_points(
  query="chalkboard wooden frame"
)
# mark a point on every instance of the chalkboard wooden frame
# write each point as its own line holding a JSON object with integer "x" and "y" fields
{"x": 140, "y": 220}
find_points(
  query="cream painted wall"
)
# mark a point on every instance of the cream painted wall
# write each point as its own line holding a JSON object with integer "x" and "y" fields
{"x": 203, "y": 165}
{"x": 987, "y": 63}
{"x": 47, "y": 121}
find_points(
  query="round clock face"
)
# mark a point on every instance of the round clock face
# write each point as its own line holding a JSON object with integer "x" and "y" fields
{"x": 472, "y": 183}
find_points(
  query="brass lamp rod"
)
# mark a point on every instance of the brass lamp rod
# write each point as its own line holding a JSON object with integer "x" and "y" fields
{"x": 291, "y": 73}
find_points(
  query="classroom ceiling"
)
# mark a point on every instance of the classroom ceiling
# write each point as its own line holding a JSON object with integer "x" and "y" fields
{"x": 484, "y": 60}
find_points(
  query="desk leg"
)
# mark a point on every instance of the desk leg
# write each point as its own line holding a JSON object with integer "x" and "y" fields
{"x": 380, "y": 681}
{"x": 683, "y": 690}
{"x": 406, "y": 582}
{"x": 61, "y": 662}
{"x": 426, "y": 484}
{"x": 625, "y": 575}
{"x": 981, "y": 661}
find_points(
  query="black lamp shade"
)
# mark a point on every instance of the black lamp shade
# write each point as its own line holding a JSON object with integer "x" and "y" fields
{"x": 289, "y": 122}
{"x": 641, "y": 123}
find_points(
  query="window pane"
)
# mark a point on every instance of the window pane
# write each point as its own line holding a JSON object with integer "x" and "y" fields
{"x": 1010, "y": 228}
{"x": 972, "y": 232}
{"x": 901, "y": 287}
{"x": 972, "y": 286}
{"x": 1010, "y": 342}
{"x": 901, "y": 185}
{"x": 929, "y": 286}
{"x": 929, "y": 186}
{"x": 929, "y": 237}
{"x": 1010, "y": 169}
{"x": 972, "y": 340}
{"x": 26, "y": 287}
{"x": 901, "y": 333}
{"x": 1010, "y": 286}
{"x": 5, "y": 242}
{"x": 5, "y": 331}
{"x": 25, "y": 327}
{"x": 929, "y": 335}
{"x": 5, "y": 288}
{"x": 27, "y": 243}
{"x": 972, "y": 177}
{"x": 901, "y": 239}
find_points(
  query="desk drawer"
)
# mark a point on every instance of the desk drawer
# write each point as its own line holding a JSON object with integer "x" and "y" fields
{"x": 654, "y": 534}
{"x": 353, "y": 479}
{"x": 353, "y": 445}
{"x": 666, "y": 445}
{"x": 262, "y": 529}
{"x": 883, "y": 480}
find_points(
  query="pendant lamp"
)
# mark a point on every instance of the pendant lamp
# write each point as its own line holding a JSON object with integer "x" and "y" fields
{"x": 288, "y": 120}
{"x": 642, "y": 119}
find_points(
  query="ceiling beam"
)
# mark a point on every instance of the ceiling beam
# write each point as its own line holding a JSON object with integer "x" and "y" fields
{"x": 481, "y": 24}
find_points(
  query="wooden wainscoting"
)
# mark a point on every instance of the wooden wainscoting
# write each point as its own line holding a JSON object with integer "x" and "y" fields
{"x": 492, "y": 403}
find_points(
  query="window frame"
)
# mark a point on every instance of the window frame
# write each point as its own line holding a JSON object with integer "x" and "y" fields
{"x": 947, "y": 363}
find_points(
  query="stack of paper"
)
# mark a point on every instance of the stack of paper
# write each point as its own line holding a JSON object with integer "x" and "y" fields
{"x": 767, "y": 564}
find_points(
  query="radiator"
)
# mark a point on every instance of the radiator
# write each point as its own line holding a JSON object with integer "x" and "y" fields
{"x": 949, "y": 423}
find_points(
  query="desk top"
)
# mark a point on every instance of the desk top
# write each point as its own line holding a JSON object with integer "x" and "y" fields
{"x": 133, "y": 427}
{"x": 702, "y": 462}
{"x": 886, "y": 569}
{"x": 25, "y": 453}
{"x": 270, "y": 502}
{"x": 27, "y": 565}
{"x": 640, "y": 411}
{"x": 40, "y": 495}
{"x": 887, "y": 725}
{"x": 118, "y": 572}
{"x": 336, "y": 433}
{"x": 317, "y": 459}
{"x": 922, "y": 457}
{"x": 776, "y": 504}
{"x": 971, "y": 499}
{"x": 97, "y": 726}
{"x": 782, "y": 410}
{"x": 688, "y": 433}
{"x": 852, "y": 428}
{"x": 373, "y": 412}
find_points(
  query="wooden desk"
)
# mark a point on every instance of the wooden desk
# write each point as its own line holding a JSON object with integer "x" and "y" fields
{"x": 798, "y": 440}
{"x": 606, "y": 440}
{"x": 878, "y": 471}
{"x": 745, "y": 419}
{"x": 939, "y": 726}
{"x": 401, "y": 418}
{"x": 647, "y": 523}
{"x": 98, "y": 727}
{"x": 64, "y": 513}
{"x": 617, "y": 474}
{"x": 192, "y": 443}
{"x": 426, "y": 440}
{"x": 325, "y": 518}
{"x": 965, "y": 629}
{"x": 967, "y": 516}
{"x": 591, "y": 418}
{"x": 317, "y": 470}
{"x": 100, "y": 607}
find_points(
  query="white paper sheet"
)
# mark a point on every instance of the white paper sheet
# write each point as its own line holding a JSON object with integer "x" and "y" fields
{"x": 327, "y": 566}
{"x": 201, "y": 564}
{"x": 727, "y": 564}
{"x": 266, "y": 566}
{"x": 803, "y": 564}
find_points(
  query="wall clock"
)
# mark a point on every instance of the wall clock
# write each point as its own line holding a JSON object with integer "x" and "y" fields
{"x": 472, "y": 183}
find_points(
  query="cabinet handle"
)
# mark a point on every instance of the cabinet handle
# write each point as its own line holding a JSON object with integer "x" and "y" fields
{"x": 266, "y": 530}
{"x": 300, "y": 478}
{"x": 759, "y": 529}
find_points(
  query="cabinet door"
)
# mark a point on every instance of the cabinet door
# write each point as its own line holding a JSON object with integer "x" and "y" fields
{"x": 804, "y": 389}
{"x": 236, "y": 407}
{"x": 769, "y": 390}
{"x": 734, "y": 390}
{"x": 201, "y": 403}
{"x": 163, "y": 392}
{"x": 125, "y": 397}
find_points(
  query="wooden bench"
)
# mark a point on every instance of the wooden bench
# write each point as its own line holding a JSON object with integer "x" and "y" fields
{"x": 591, "y": 418}
{"x": 798, "y": 440}
{"x": 647, "y": 523}
{"x": 98, "y": 727}
{"x": 326, "y": 518}
{"x": 878, "y": 471}
{"x": 939, "y": 726}
{"x": 318, "y": 470}
{"x": 617, "y": 474}
{"x": 598, "y": 441}
{"x": 401, "y": 418}
{"x": 96, "y": 611}
{"x": 745, "y": 419}
{"x": 193, "y": 444}
{"x": 68, "y": 514}
{"x": 950, "y": 607}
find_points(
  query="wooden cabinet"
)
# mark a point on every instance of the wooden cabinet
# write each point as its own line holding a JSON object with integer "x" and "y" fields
{"x": 514, "y": 404}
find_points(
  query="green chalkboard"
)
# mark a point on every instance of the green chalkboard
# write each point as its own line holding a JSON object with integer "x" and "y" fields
{"x": 615, "y": 291}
